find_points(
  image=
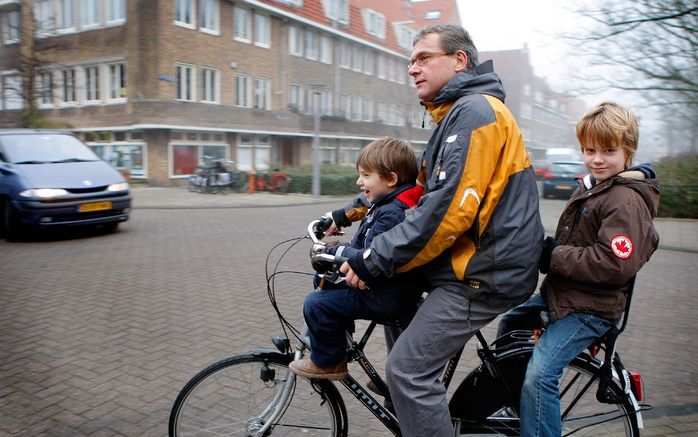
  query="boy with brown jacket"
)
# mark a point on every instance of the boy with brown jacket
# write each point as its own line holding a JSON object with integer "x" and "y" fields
{"x": 604, "y": 236}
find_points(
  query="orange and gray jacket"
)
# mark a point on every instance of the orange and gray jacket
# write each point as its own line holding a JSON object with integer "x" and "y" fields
{"x": 478, "y": 222}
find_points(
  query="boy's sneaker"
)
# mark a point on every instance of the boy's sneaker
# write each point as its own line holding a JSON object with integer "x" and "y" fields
{"x": 305, "y": 367}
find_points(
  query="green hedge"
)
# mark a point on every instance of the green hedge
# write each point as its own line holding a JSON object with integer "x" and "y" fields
{"x": 678, "y": 184}
{"x": 334, "y": 180}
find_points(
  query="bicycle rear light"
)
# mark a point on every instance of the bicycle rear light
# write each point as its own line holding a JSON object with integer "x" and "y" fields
{"x": 636, "y": 384}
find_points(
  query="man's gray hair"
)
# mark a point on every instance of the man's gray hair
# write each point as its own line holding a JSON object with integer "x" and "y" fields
{"x": 452, "y": 38}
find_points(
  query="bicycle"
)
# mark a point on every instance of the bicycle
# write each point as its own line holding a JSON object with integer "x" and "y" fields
{"x": 216, "y": 175}
{"x": 257, "y": 395}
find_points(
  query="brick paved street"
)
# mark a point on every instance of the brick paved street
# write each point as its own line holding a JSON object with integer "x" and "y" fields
{"x": 99, "y": 333}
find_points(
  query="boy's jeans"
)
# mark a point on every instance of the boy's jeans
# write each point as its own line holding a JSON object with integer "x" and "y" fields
{"x": 563, "y": 340}
{"x": 330, "y": 313}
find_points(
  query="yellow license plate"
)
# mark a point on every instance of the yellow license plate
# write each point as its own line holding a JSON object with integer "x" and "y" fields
{"x": 563, "y": 187}
{"x": 96, "y": 206}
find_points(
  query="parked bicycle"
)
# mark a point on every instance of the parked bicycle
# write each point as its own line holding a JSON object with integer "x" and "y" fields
{"x": 256, "y": 395}
{"x": 217, "y": 175}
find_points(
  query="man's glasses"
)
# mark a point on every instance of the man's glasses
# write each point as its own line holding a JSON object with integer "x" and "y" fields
{"x": 423, "y": 58}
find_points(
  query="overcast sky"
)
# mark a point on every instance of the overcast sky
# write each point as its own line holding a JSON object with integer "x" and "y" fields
{"x": 509, "y": 24}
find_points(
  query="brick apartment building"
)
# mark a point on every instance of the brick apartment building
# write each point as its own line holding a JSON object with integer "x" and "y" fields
{"x": 155, "y": 85}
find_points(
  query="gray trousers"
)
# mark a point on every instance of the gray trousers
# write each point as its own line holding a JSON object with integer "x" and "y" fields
{"x": 445, "y": 321}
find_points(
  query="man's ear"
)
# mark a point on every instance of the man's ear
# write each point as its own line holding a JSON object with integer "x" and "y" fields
{"x": 461, "y": 61}
{"x": 392, "y": 180}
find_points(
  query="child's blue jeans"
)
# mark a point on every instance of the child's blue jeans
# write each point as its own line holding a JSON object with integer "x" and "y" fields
{"x": 563, "y": 340}
{"x": 330, "y": 313}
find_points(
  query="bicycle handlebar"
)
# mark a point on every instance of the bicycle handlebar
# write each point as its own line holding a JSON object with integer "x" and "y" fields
{"x": 326, "y": 264}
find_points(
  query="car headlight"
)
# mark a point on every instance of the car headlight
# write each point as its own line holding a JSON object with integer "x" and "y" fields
{"x": 44, "y": 193}
{"x": 122, "y": 186}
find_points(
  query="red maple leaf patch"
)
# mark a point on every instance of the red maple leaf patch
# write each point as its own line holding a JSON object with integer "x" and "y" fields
{"x": 622, "y": 246}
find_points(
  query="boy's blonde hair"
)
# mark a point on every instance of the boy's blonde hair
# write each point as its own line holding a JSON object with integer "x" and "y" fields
{"x": 386, "y": 155}
{"x": 611, "y": 125}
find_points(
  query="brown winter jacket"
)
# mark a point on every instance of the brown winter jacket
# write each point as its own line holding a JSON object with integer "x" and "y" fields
{"x": 605, "y": 236}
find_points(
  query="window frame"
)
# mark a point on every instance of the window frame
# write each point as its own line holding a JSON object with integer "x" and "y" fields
{"x": 211, "y": 22}
{"x": 187, "y": 9}
{"x": 262, "y": 93}
{"x": 242, "y": 20}
{"x": 189, "y": 84}
{"x": 209, "y": 92}
{"x": 262, "y": 30}
{"x": 246, "y": 81}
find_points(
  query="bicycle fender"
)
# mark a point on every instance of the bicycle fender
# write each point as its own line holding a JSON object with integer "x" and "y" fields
{"x": 267, "y": 352}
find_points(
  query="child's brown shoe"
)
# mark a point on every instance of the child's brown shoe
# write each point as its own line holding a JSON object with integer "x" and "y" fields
{"x": 305, "y": 367}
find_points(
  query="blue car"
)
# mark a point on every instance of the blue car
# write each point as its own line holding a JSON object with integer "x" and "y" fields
{"x": 50, "y": 179}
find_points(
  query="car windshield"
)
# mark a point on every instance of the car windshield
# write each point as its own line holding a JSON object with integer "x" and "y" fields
{"x": 45, "y": 148}
{"x": 568, "y": 168}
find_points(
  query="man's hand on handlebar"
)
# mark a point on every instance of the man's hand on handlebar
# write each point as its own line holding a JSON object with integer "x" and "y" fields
{"x": 351, "y": 278}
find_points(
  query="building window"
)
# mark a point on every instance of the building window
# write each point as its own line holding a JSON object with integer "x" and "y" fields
{"x": 10, "y": 27}
{"x": 184, "y": 13}
{"x": 68, "y": 86}
{"x": 262, "y": 153}
{"x": 311, "y": 48}
{"x": 209, "y": 16}
{"x": 65, "y": 16}
{"x": 345, "y": 106}
{"x": 325, "y": 49}
{"x": 296, "y": 100}
{"x": 209, "y": 85}
{"x": 89, "y": 13}
{"x": 244, "y": 153}
{"x": 242, "y": 25}
{"x": 374, "y": 23}
{"x": 116, "y": 10}
{"x": 433, "y": 15}
{"x": 345, "y": 55}
{"x": 122, "y": 155}
{"x": 295, "y": 41}
{"x": 382, "y": 67}
{"x": 117, "y": 81}
{"x": 337, "y": 10}
{"x": 184, "y": 81}
{"x": 242, "y": 91}
{"x": 43, "y": 16}
{"x": 44, "y": 89}
{"x": 187, "y": 154}
{"x": 368, "y": 62}
{"x": 262, "y": 30}
{"x": 13, "y": 91}
{"x": 92, "y": 93}
{"x": 356, "y": 108}
{"x": 367, "y": 109}
{"x": 357, "y": 58}
{"x": 262, "y": 94}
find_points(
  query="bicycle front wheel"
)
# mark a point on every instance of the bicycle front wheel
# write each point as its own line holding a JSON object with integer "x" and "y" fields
{"x": 241, "y": 395}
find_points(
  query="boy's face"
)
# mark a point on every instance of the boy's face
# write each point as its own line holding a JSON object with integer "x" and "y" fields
{"x": 604, "y": 162}
{"x": 374, "y": 185}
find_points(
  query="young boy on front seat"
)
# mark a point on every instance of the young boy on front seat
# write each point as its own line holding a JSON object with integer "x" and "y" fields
{"x": 387, "y": 173}
{"x": 603, "y": 238}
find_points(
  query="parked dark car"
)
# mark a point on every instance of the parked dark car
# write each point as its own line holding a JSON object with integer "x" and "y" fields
{"x": 560, "y": 179}
{"x": 51, "y": 179}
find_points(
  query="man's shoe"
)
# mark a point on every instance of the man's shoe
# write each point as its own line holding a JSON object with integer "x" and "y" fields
{"x": 305, "y": 367}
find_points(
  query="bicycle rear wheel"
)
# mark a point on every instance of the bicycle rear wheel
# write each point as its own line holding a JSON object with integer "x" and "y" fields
{"x": 582, "y": 414}
{"x": 238, "y": 395}
{"x": 481, "y": 403}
